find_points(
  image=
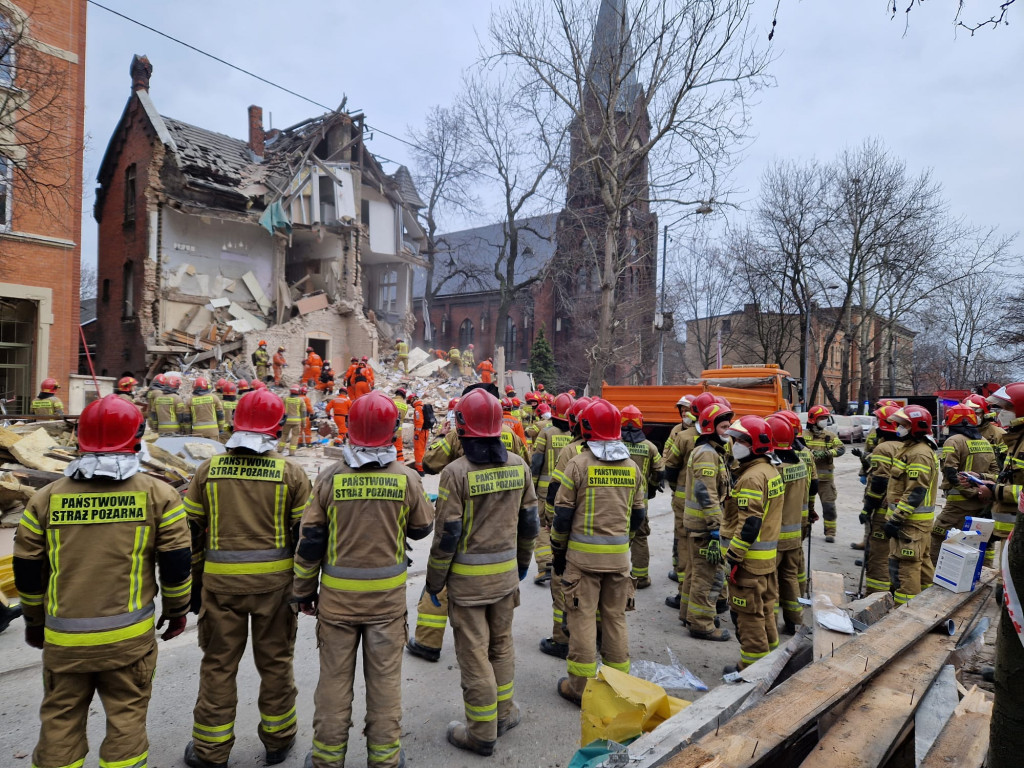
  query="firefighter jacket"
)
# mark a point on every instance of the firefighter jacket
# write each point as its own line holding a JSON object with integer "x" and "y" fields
{"x": 168, "y": 411}
{"x": 546, "y": 447}
{"x": 207, "y": 412}
{"x": 403, "y": 408}
{"x": 652, "y": 468}
{"x": 294, "y": 409}
{"x": 812, "y": 472}
{"x": 85, "y": 560}
{"x": 961, "y": 453}
{"x": 516, "y": 426}
{"x": 825, "y": 447}
{"x": 913, "y": 485}
{"x": 261, "y": 358}
{"x": 485, "y": 529}
{"x": 448, "y": 448}
{"x": 879, "y": 471}
{"x": 599, "y": 505}
{"x": 229, "y": 403}
{"x": 242, "y": 509}
{"x": 454, "y": 355}
{"x": 468, "y": 358}
{"x": 871, "y": 441}
{"x": 677, "y": 454}
{"x": 707, "y": 487}
{"x": 403, "y": 350}
{"x": 794, "y": 502}
{"x": 353, "y": 540}
{"x": 757, "y": 495}
{"x": 47, "y": 405}
{"x": 996, "y": 436}
{"x": 1010, "y": 482}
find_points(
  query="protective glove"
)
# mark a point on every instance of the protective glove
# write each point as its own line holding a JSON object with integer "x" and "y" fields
{"x": 434, "y": 600}
{"x": 523, "y": 572}
{"x": 858, "y": 453}
{"x": 892, "y": 529}
{"x": 713, "y": 552}
{"x": 175, "y": 626}
{"x": 812, "y": 515}
{"x": 863, "y": 479}
{"x": 34, "y": 636}
{"x": 196, "y": 599}
{"x": 306, "y": 604}
{"x": 863, "y": 517}
{"x": 558, "y": 561}
{"x": 821, "y": 455}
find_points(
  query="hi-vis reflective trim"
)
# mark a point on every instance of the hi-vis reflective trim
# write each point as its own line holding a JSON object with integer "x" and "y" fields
{"x": 102, "y": 623}
{"x": 29, "y": 521}
{"x": 220, "y": 562}
{"x": 762, "y": 550}
{"x": 582, "y": 670}
{"x": 611, "y": 477}
{"x": 979, "y": 446}
{"x": 330, "y": 753}
{"x": 213, "y": 734}
{"x": 379, "y": 753}
{"x": 506, "y": 691}
{"x": 170, "y": 518}
{"x": 53, "y": 553}
{"x": 30, "y": 599}
{"x": 139, "y": 761}
{"x": 748, "y": 657}
{"x": 558, "y": 476}
{"x": 790, "y": 531}
{"x": 86, "y": 639}
{"x": 484, "y": 564}
{"x": 481, "y": 714}
{"x": 378, "y": 486}
{"x": 484, "y": 481}
{"x": 437, "y": 621}
{"x": 598, "y": 544}
{"x": 76, "y": 764}
{"x": 193, "y": 507}
{"x": 776, "y": 487}
{"x": 694, "y": 511}
{"x": 364, "y": 579}
{"x": 246, "y": 555}
{"x": 622, "y": 666}
{"x": 176, "y": 591}
{"x": 877, "y": 585}
{"x": 229, "y": 467}
{"x": 86, "y": 508}
{"x": 277, "y": 723}
{"x": 506, "y": 438}
{"x": 135, "y": 576}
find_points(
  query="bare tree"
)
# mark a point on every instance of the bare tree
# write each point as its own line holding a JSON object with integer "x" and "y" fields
{"x": 668, "y": 88}
{"x": 88, "y": 277}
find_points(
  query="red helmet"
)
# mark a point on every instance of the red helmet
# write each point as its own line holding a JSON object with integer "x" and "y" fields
{"x": 452, "y": 403}
{"x": 506, "y": 403}
{"x": 756, "y": 430}
{"x": 723, "y": 401}
{"x": 1010, "y": 398}
{"x": 817, "y": 412}
{"x": 342, "y": 390}
{"x": 794, "y": 421}
{"x": 516, "y": 402}
{"x": 309, "y": 349}
{"x": 543, "y": 408}
{"x": 471, "y": 346}
{"x": 161, "y": 381}
{"x": 364, "y": 359}
{"x": 373, "y": 420}
{"x": 259, "y": 411}
{"x": 562, "y": 405}
{"x": 219, "y": 384}
{"x": 229, "y": 388}
{"x": 540, "y": 387}
{"x": 915, "y": 417}
{"x": 509, "y": 389}
{"x": 200, "y": 383}
{"x": 632, "y": 417}
{"x": 532, "y": 397}
{"x": 257, "y": 384}
{"x": 110, "y": 425}
{"x": 962, "y": 415}
{"x": 685, "y": 403}
{"x": 126, "y": 384}
{"x": 700, "y": 402}
{"x": 49, "y": 385}
{"x": 601, "y": 421}
{"x": 890, "y": 401}
{"x": 243, "y": 385}
{"x": 304, "y": 390}
{"x": 573, "y": 414}
{"x": 979, "y": 403}
{"x": 478, "y": 414}
{"x": 295, "y": 389}
{"x": 883, "y": 414}
{"x": 709, "y": 418}
{"x": 782, "y": 432}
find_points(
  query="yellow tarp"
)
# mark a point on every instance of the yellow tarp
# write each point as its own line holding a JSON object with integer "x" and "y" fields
{"x": 619, "y": 707}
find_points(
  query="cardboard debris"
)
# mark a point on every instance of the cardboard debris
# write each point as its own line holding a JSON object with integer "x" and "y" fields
{"x": 31, "y": 451}
{"x": 308, "y": 304}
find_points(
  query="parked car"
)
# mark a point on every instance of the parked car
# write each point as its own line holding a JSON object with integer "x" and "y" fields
{"x": 851, "y": 429}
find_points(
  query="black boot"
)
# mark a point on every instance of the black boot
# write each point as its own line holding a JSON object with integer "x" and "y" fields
{"x": 553, "y": 648}
{"x": 275, "y": 756}
{"x": 430, "y": 654}
{"x": 672, "y": 601}
{"x": 192, "y": 760}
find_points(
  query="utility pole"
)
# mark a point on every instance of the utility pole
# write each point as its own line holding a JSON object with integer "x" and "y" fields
{"x": 661, "y": 332}
{"x": 807, "y": 353}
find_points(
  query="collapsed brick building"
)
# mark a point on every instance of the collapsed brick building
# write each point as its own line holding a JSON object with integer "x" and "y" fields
{"x": 208, "y": 243}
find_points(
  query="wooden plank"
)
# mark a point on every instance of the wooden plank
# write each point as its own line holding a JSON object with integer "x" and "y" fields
{"x": 870, "y": 609}
{"x": 831, "y": 586}
{"x": 964, "y": 740}
{"x": 796, "y": 704}
{"x": 936, "y": 708}
{"x": 187, "y": 319}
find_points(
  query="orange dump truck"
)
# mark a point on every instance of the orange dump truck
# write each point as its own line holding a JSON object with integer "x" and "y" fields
{"x": 751, "y": 390}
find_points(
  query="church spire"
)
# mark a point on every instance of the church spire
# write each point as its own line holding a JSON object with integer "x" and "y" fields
{"x": 612, "y": 60}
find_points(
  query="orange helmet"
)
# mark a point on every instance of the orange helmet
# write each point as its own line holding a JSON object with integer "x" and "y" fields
{"x": 126, "y": 384}
{"x": 962, "y": 415}
{"x": 817, "y": 412}
{"x": 632, "y": 417}
{"x": 262, "y": 343}
{"x": 49, "y": 385}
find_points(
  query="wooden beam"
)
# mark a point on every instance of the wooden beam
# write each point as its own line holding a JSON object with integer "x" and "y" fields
{"x": 764, "y": 730}
{"x": 964, "y": 740}
{"x": 936, "y": 708}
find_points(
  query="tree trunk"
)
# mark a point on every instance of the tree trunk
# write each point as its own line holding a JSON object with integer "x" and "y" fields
{"x": 1007, "y": 735}
{"x": 500, "y": 321}
{"x": 603, "y": 350}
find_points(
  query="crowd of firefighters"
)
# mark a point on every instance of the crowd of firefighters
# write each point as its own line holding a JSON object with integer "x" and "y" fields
{"x": 561, "y": 480}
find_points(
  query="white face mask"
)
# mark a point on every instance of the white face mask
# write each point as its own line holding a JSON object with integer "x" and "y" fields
{"x": 740, "y": 451}
{"x": 1005, "y": 417}
{"x": 902, "y": 431}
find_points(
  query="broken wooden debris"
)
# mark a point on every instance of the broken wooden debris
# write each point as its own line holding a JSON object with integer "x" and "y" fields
{"x": 964, "y": 740}
{"x": 937, "y": 706}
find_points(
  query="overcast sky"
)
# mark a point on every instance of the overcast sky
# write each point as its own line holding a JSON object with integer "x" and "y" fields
{"x": 844, "y": 72}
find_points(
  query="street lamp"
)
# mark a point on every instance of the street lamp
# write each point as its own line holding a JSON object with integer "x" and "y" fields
{"x": 807, "y": 346}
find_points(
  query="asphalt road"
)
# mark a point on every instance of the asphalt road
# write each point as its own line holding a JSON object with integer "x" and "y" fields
{"x": 550, "y": 730}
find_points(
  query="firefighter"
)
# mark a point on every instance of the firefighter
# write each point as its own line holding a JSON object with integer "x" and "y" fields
{"x": 229, "y": 402}
{"x": 205, "y": 411}
{"x": 339, "y": 409}
{"x": 368, "y": 371}
{"x": 93, "y": 616}
{"x": 751, "y": 523}
{"x": 508, "y": 417}
{"x": 279, "y": 363}
{"x": 806, "y": 521}
{"x": 350, "y": 374}
{"x": 486, "y": 369}
{"x": 1008, "y": 405}
{"x": 403, "y": 409}
{"x": 911, "y": 493}
{"x": 261, "y": 359}
{"x": 352, "y": 546}
{"x": 789, "y": 558}
{"x": 549, "y": 442}
{"x": 707, "y": 486}
{"x": 421, "y": 434}
{"x": 311, "y": 367}
{"x": 965, "y": 452}
{"x": 243, "y": 509}
{"x": 295, "y": 416}
{"x": 361, "y": 383}
{"x": 825, "y": 447}
{"x": 599, "y": 506}
{"x": 403, "y": 354}
{"x": 988, "y": 427}
{"x": 881, "y": 462}
{"x": 449, "y": 417}
{"x": 468, "y": 361}
{"x": 307, "y": 423}
{"x": 47, "y": 405}
{"x": 687, "y": 418}
{"x": 326, "y": 382}
{"x": 243, "y": 387}
{"x": 870, "y": 442}
{"x": 455, "y": 360}
{"x": 156, "y": 387}
{"x": 483, "y": 543}
{"x": 168, "y": 414}
{"x": 652, "y": 469}
{"x": 677, "y": 454}
{"x": 126, "y": 389}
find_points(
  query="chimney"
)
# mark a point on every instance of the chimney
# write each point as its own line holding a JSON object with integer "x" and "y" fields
{"x": 257, "y": 137}
{"x": 141, "y": 70}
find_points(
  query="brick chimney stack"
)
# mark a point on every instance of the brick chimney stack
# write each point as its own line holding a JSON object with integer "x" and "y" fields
{"x": 257, "y": 136}
{"x": 140, "y": 70}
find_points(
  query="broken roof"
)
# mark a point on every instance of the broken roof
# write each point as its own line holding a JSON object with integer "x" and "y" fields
{"x": 205, "y": 155}
{"x": 407, "y": 188}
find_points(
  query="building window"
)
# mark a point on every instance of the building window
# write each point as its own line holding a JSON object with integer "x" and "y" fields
{"x": 8, "y": 37}
{"x": 511, "y": 338}
{"x": 106, "y": 290}
{"x": 6, "y": 183}
{"x": 465, "y": 333}
{"x": 128, "y": 290}
{"x": 129, "y": 194}
{"x": 387, "y": 296}
{"x": 727, "y": 325}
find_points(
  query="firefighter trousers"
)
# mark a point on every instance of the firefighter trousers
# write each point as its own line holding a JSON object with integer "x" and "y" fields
{"x": 678, "y": 538}
{"x": 704, "y": 583}
{"x": 789, "y": 566}
{"x": 750, "y": 601}
{"x": 684, "y": 572}
{"x": 558, "y": 618}
{"x": 542, "y": 549}
{"x": 827, "y": 494}
{"x": 876, "y": 575}
{"x": 431, "y": 620}
{"x": 290, "y": 437}
{"x": 339, "y": 645}
{"x": 419, "y": 448}
{"x": 223, "y": 632}
{"x": 487, "y": 661}
{"x": 913, "y": 563}
{"x": 124, "y": 693}
{"x": 586, "y": 593}
{"x": 640, "y": 552}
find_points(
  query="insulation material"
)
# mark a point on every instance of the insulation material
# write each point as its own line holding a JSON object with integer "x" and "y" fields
{"x": 257, "y": 292}
{"x": 244, "y": 320}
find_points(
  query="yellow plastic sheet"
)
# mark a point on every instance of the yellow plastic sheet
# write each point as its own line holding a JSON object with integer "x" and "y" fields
{"x": 7, "y": 576}
{"x": 619, "y": 707}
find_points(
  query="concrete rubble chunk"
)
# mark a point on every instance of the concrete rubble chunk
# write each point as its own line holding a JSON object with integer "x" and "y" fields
{"x": 31, "y": 451}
